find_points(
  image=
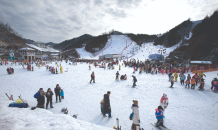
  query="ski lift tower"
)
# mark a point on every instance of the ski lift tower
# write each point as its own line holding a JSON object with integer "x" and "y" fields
{"x": 162, "y": 51}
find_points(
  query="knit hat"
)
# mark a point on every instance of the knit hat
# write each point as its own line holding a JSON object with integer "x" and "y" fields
{"x": 135, "y": 102}
{"x": 165, "y": 95}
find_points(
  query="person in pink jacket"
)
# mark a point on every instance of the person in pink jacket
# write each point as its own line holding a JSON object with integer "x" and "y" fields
{"x": 164, "y": 101}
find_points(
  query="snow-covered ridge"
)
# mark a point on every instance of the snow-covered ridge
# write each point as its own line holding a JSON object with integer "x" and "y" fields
{"x": 40, "y": 119}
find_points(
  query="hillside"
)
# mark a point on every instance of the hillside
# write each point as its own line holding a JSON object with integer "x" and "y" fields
{"x": 9, "y": 38}
{"x": 203, "y": 45}
{"x": 73, "y": 43}
{"x": 173, "y": 36}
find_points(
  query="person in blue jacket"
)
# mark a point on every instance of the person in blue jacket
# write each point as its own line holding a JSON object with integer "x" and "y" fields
{"x": 134, "y": 81}
{"x": 182, "y": 78}
{"x": 159, "y": 116}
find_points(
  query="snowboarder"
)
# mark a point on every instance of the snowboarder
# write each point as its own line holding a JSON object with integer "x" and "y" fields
{"x": 135, "y": 118}
{"x": 92, "y": 77}
{"x": 106, "y": 105}
{"x": 49, "y": 95}
{"x": 134, "y": 81}
{"x": 159, "y": 116}
{"x": 117, "y": 76}
{"x": 182, "y": 78}
{"x": 57, "y": 93}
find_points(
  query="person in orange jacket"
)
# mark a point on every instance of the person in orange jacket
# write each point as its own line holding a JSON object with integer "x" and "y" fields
{"x": 192, "y": 83}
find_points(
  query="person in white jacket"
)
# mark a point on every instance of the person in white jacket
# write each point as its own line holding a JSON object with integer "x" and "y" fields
{"x": 164, "y": 101}
{"x": 135, "y": 110}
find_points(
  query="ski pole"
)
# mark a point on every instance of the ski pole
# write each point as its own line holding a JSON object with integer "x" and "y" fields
{"x": 215, "y": 103}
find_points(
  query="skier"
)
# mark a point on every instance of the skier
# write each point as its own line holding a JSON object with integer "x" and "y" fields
{"x": 189, "y": 77}
{"x": 172, "y": 81}
{"x": 182, "y": 78}
{"x": 192, "y": 83}
{"x": 196, "y": 77}
{"x": 117, "y": 76}
{"x": 62, "y": 94}
{"x": 135, "y": 118}
{"x": 214, "y": 84}
{"x": 125, "y": 77}
{"x": 134, "y": 81}
{"x": 57, "y": 93}
{"x": 164, "y": 101}
{"x": 176, "y": 76}
{"x": 119, "y": 67}
{"x": 187, "y": 82}
{"x": 89, "y": 67}
{"x": 201, "y": 87}
{"x": 106, "y": 105}
{"x": 159, "y": 116}
{"x": 92, "y": 77}
{"x": 201, "y": 74}
{"x": 49, "y": 95}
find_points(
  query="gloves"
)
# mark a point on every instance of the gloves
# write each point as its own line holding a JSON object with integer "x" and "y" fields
{"x": 139, "y": 121}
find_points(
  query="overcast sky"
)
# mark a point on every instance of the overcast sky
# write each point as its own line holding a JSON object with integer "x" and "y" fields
{"x": 59, "y": 20}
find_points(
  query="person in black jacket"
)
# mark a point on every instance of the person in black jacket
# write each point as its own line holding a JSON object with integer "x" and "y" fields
{"x": 92, "y": 77}
{"x": 106, "y": 105}
{"x": 57, "y": 93}
{"x": 49, "y": 95}
{"x": 117, "y": 76}
{"x": 41, "y": 100}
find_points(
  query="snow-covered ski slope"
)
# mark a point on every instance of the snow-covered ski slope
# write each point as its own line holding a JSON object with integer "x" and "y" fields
{"x": 188, "y": 109}
{"x": 123, "y": 45}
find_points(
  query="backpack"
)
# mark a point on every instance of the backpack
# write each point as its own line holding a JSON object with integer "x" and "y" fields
{"x": 37, "y": 95}
{"x": 131, "y": 115}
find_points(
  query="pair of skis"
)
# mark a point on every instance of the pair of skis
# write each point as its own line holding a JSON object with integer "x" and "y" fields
{"x": 160, "y": 127}
{"x": 10, "y": 98}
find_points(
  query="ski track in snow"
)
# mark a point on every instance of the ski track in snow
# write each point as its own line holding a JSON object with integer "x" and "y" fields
{"x": 188, "y": 109}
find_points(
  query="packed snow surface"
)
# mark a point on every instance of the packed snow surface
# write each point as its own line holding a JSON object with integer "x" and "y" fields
{"x": 188, "y": 109}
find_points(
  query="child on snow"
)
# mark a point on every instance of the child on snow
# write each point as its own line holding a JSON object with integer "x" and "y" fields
{"x": 101, "y": 105}
{"x": 187, "y": 83}
{"x": 192, "y": 83}
{"x": 159, "y": 116}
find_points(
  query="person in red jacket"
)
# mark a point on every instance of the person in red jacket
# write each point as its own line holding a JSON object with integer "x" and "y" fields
{"x": 196, "y": 77}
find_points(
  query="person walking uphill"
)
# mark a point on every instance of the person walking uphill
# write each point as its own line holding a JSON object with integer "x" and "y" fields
{"x": 92, "y": 77}
{"x": 135, "y": 118}
{"x": 57, "y": 93}
{"x": 49, "y": 95}
{"x": 106, "y": 105}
